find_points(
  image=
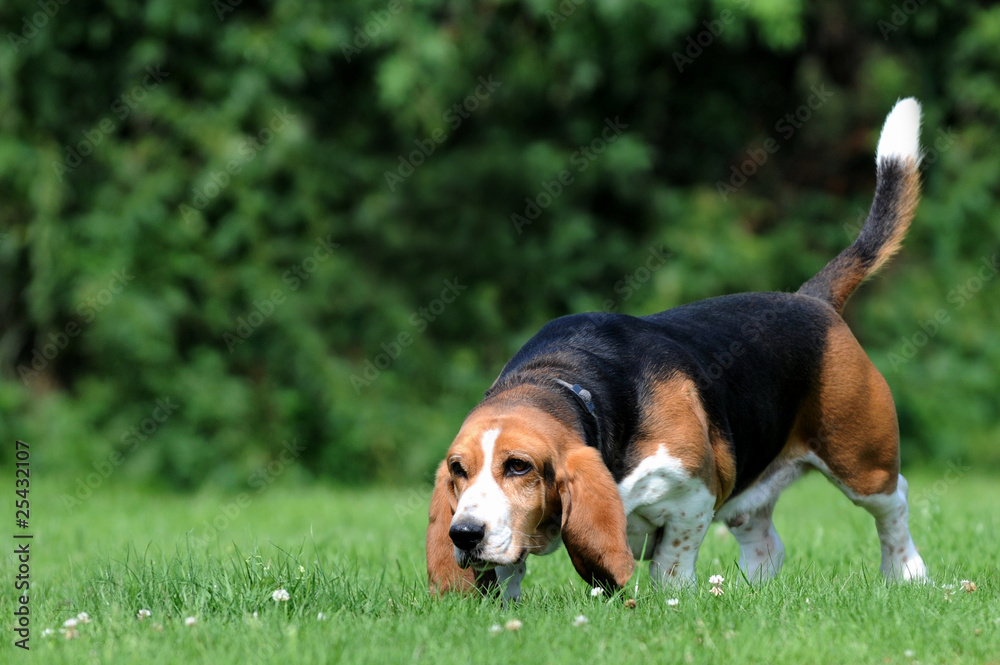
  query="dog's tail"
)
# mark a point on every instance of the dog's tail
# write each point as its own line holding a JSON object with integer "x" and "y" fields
{"x": 897, "y": 190}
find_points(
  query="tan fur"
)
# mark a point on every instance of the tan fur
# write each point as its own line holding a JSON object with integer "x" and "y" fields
{"x": 526, "y": 433}
{"x": 675, "y": 418}
{"x": 838, "y": 279}
{"x": 850, "y": 423}
{"x": 579, "y": 499}
{"x": 442, "y": 571}
{"x": 725, "y": 467}
{"x": 906, "y": 208}
{"x": 593, "y": 520}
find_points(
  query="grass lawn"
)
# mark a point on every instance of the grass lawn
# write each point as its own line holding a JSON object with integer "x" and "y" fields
{"x": 356, "y": 558}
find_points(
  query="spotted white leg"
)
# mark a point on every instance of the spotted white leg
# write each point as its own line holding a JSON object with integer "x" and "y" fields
{"x": 900, "y": 559}
{"x": 676, "y": 553}
{"x": 761, "y": 551}
{"x": 662, "y": 497}
{"x": 509, "y": 578}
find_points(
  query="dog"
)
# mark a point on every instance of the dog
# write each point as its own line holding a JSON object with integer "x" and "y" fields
{"x": 624, "y": 437}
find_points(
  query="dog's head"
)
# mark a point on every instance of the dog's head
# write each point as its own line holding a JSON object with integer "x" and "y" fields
{"x": 519, "y": 482}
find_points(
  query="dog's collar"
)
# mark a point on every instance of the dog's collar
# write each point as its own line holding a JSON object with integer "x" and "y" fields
{"x": 587, "y": 399}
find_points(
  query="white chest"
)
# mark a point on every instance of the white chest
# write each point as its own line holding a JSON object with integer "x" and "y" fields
{"x": 658, "y": 494}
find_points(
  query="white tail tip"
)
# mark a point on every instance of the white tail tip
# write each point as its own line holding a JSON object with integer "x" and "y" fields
{"x": 901, "y": 132}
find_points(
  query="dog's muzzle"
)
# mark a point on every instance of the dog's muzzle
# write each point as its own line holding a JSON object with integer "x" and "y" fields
{"x": 467, "y": 535}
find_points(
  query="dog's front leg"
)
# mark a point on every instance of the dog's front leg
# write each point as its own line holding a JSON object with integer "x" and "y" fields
{"x": 509, "y": 578}
{"x": 675, "y": 555}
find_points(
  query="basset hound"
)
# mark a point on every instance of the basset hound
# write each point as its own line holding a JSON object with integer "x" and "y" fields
{"x": 624, "y": 437}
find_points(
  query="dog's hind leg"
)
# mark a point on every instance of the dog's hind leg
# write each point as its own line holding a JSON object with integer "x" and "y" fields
{"x": 854, "y": 441}
{"x": 900, "y": 559}
{"x": 888, "y": 505}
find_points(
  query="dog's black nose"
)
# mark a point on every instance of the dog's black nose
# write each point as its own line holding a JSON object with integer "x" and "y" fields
{"x": 466, "y": 535}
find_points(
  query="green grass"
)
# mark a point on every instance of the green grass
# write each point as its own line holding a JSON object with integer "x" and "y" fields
{"x": 357, "y": 557}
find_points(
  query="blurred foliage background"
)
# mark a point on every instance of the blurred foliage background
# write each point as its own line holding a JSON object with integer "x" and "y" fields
{"x": 231, "y": 229}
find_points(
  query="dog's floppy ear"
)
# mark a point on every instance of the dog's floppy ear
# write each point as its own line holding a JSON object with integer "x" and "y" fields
{"x": 442, "y": 571}
{"x": 593, "y": 520}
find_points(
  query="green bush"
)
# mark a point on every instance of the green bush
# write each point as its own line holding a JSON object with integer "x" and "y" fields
{"x": 231, "y": 206}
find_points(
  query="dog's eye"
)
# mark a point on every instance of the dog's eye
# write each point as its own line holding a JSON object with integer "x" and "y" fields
{"x": 517, "y": 467}
{"x": 457, "y": 470}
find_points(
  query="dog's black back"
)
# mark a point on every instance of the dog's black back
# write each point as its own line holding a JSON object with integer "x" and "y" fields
{"x": 753, "y": 356}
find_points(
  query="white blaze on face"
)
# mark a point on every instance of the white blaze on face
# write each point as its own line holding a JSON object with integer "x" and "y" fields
{"x": 485, "y": 503}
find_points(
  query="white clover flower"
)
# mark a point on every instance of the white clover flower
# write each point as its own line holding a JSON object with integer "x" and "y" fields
{"x": 281, "y": 596}
{"x": 580, "y": 620}
{"x": 596, "y": 591}
{"x": 143, "y": 614}
{"x": 70, "y": 633}
{"x": 716, "y": 580}
{"x": 909, "y": 653}
{"x": 967, "y": 586}
{"x": 673, "y": 602}
{"x": 83, "y": 617}
{"x": 70, "y": 623}
{"x": 48, "y": 632}
{"x": 716, "y": 591}
{"x": 321, "y": 616}
{"x": 190, "y": 621}
{"x": 496, "y": 628}
{"x": 513, "y": 624}
{"x": 254, "y": 615}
